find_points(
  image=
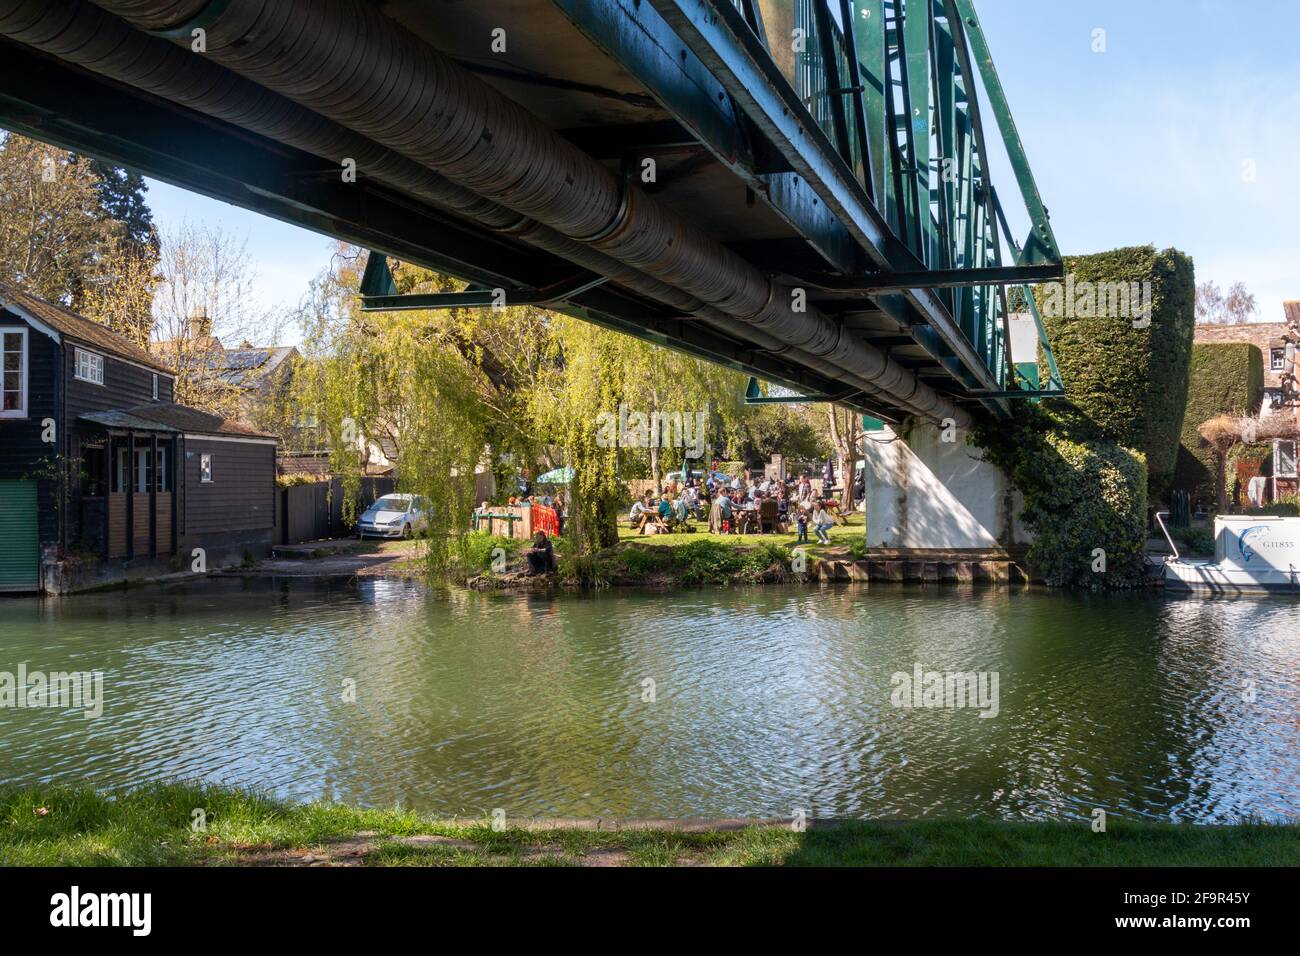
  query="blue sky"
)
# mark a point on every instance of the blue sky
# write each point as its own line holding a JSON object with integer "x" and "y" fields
{"x": 1146, "y": 142}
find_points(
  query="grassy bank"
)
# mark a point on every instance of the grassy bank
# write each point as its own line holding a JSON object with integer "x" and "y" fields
{"x": 685, "y": 559}
{"x": 153, "y": 826}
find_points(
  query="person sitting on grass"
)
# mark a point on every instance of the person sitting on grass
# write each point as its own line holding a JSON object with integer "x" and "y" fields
{"x": 541, "y": 556}
{"x": 665, "y": 510}
{"x": 642, "y": 508}
{"x": 821, "y": 521}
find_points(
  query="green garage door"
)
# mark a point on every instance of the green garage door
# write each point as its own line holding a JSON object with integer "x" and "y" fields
{"x": 18, "y": 541}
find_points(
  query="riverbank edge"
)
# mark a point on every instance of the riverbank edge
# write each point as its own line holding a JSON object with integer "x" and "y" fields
{"x": 200, "y": 825}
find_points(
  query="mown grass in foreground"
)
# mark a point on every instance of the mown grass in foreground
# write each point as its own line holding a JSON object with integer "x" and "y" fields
{"x": 152, "y": 826}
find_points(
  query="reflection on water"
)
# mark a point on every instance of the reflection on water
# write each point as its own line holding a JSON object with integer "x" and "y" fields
{"x": 765, "y": 700}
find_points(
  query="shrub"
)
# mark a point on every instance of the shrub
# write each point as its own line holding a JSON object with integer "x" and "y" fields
{"x": 641, "y": 562}
{"x": 762, "y": 560}
{"x": 293, "y": 481}
{"x": 1081, "y": 493}
{"x": 1129, "y": 384}
{"x": 708, "y": 562}
{"x": 1224, "y": 378}
{"x": 1196, "y": 540}
{"x": 585, "y": 570}
{"x": 474, "y": 555}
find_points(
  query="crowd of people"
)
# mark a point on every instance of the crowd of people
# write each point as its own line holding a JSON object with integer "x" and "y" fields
{"x": 741, "y": 505}
{"x": 745, "y": 504}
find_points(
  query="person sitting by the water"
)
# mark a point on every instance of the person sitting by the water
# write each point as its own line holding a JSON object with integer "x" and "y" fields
{"x": 541, "y": 556}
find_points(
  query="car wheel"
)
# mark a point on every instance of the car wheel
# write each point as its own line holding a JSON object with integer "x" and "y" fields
{"x": 406, "y": 532}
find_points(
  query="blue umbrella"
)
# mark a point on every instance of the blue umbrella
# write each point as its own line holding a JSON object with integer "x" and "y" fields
{"x": 557, "y": 476}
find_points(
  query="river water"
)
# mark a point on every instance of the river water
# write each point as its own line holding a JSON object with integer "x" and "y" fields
{"x": 699, "y": 703}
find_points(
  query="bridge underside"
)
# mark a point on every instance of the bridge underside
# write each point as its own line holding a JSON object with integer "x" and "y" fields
{"x": 625, "y": 82}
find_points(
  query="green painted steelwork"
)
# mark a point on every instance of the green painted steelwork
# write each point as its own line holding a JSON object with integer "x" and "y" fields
{"x": 917, "y": 70}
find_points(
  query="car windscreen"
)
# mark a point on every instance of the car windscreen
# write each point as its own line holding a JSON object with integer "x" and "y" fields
{"x": 391, "y": 503}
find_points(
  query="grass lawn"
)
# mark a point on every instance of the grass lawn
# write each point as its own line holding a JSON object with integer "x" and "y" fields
{"x": 841, "y": 536}
{"x": 152, "y": 826}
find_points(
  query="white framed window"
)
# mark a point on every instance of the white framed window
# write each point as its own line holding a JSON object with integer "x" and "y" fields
{"x": 90, "y": 366}
{"x": 155, "y": 386}
{"x": 205, "y": 469}
{"x": 1276, "y": 359}
{"x": 1284, "y": 464}
{"x": 13, "y": 372}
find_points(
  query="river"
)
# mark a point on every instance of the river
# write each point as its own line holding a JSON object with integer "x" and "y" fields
{"x": 752, "y": 702}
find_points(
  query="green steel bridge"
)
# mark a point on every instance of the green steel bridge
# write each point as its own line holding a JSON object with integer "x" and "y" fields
{"x": 800, "y": 189}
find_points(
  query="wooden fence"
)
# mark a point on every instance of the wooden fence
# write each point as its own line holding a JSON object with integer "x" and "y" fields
{"x": 315, "y": 511}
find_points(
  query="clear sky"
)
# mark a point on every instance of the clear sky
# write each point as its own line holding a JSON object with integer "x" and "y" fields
{"x": 1184, "y": 132}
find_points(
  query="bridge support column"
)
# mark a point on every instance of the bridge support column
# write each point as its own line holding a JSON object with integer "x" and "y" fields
{"x": 925, "y": 493}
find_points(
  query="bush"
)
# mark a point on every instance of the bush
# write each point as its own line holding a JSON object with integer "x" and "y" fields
{"x": 585, "y": 570}
{"x": 1081, "y": 493}
{"x": 641, "y": 562}
{"x": 475, "y": 552}
{"x": 708, "y": 562}
{"x": 1224, "y": 378}
{"x": 762, "y": 560}
{"x": 1196, "y": 540}
{"x": 1129, "y": 384}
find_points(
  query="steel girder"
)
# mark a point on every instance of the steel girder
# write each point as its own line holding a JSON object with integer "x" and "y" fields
{"x": 881, "y": 118}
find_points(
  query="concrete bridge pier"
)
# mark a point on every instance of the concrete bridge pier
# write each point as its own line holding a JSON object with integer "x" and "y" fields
{"x": 929, "y": 492}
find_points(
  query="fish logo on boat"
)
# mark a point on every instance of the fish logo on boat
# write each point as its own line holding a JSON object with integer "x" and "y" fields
{"x": 1247, "y": 550}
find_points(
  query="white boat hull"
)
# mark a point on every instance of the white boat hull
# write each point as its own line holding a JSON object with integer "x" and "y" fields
{"x": 1212, "y": 577}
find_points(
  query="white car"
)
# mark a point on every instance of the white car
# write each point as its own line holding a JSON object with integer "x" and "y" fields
{"x": 395, "y": 516}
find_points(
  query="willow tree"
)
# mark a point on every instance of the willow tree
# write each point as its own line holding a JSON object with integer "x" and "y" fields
{"x": 438, "y": 391}
{"x": 572, "y": 394}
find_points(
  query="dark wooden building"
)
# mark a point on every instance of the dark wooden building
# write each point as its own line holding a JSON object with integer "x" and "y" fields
{"x": 102, "y": 476}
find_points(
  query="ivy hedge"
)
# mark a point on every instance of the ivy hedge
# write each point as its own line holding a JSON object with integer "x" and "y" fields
{"x": 1085, "y": 496}
{"x": 1121, "y": 329}
{"x": 1224, "y": 378}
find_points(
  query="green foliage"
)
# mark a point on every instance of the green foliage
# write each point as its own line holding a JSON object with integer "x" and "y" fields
{"x": 708, "y": 562}
{"x": 474, "y": 549}
{"x": 766, "y": 559}
{"x": 641, "y": 562}
{"x": 1287, "y": 507}
{"x": 590, "y": 570}
{"x": 293, "y": 481}
{"x": 1224, "y": 378}
{"x": 1129, "y": 383}
{"x": 1081, "y": 493}
{"x": 1197, "y": 540}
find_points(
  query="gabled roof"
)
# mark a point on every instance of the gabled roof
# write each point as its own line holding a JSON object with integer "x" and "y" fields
{"x": 174, "y": 418}
{"x": 73, "y": 326}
